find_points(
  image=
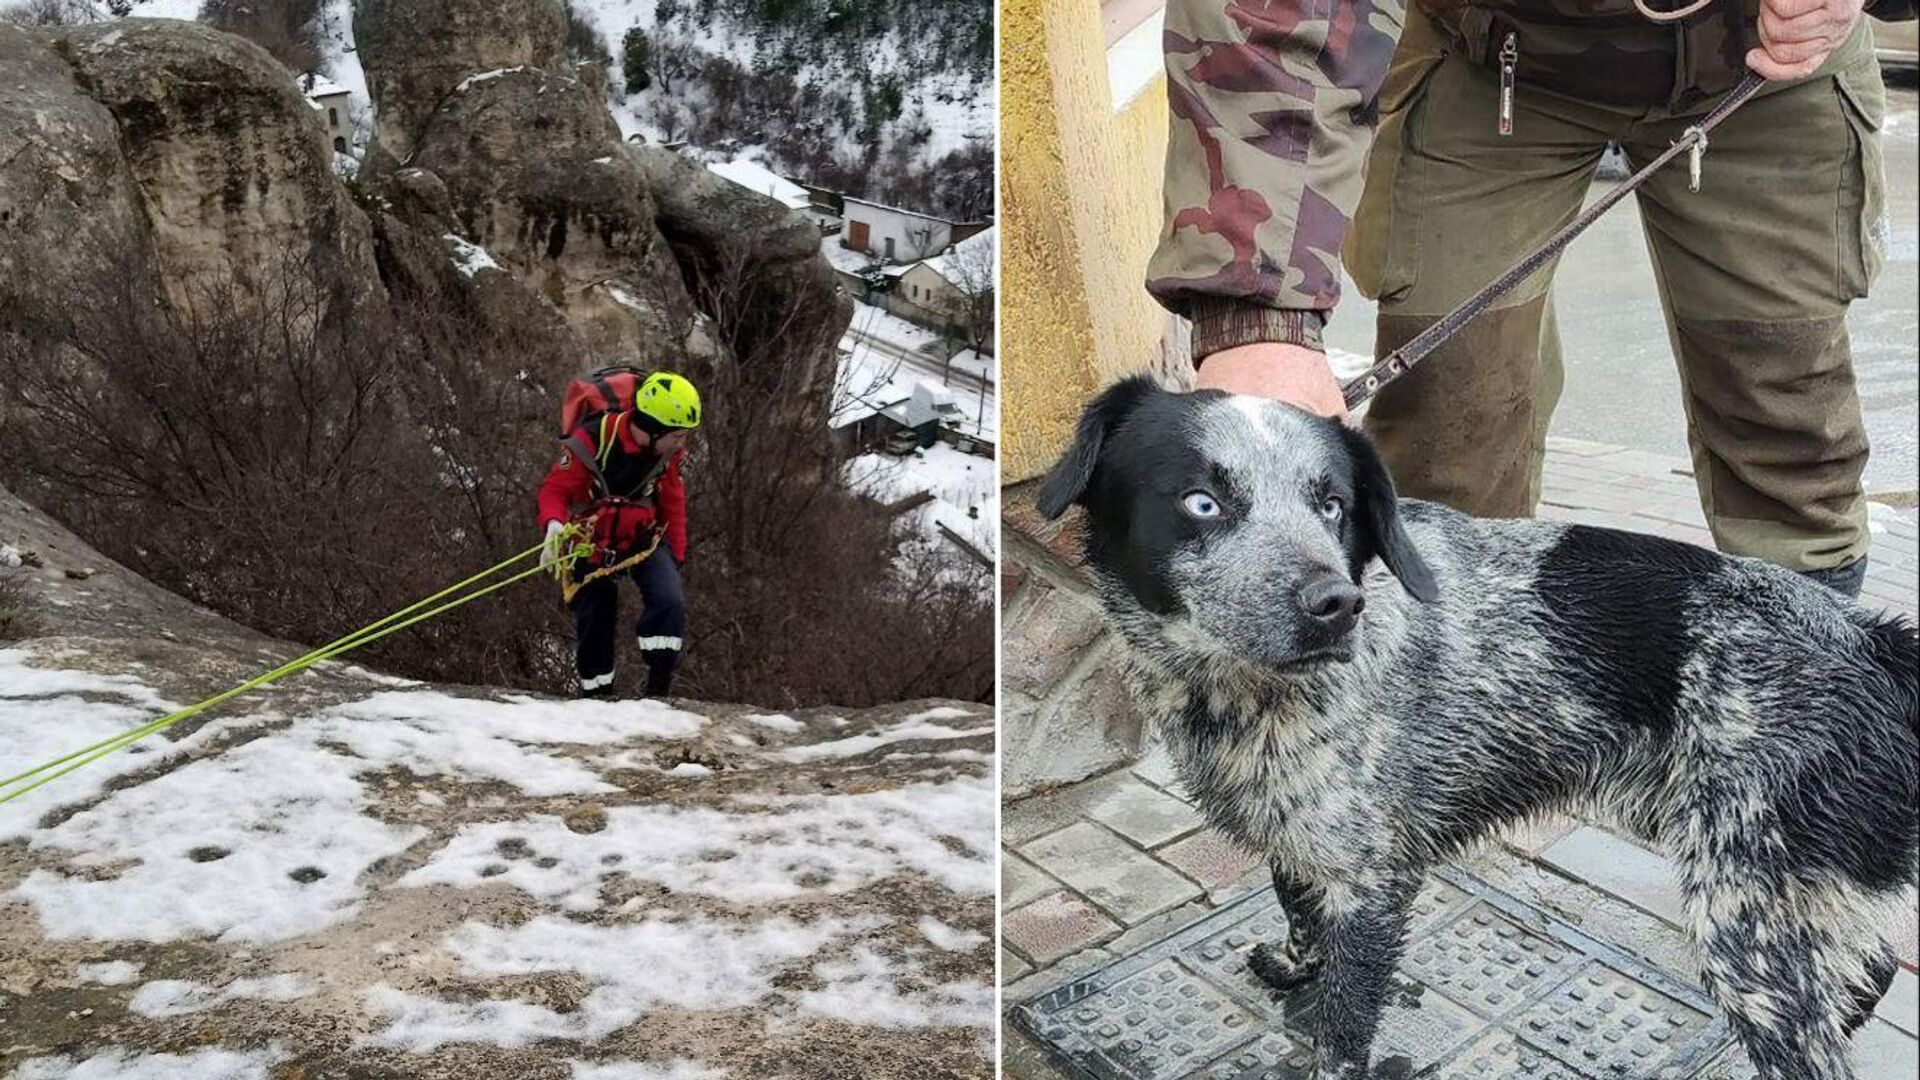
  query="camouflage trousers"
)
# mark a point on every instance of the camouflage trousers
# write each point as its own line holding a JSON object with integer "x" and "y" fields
{"x": 1755, "y": 274}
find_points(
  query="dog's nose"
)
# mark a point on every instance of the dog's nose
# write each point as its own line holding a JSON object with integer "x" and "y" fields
{"x": 1333, "y": 602}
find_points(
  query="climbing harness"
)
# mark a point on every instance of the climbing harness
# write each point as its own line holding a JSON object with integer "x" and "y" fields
{"x": 19, "y": 784}
{"x": 568, "y": 586}
{"x": 1397, "y": 362}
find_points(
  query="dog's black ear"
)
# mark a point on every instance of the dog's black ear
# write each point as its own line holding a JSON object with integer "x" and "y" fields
{"x": 1070, "y": 476}
{"x": 1379, "y": 518}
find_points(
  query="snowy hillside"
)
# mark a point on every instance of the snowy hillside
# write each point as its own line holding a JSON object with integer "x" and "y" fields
{"x": 887, "y": 101}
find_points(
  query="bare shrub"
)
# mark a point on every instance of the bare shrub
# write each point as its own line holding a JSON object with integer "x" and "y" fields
{"x": 16, "y": 605}
{"x": 796, "y": 583}
{"x": 291, "y": 456}
{"x": 305, "y": 460}
{"x": 50, "y": 12}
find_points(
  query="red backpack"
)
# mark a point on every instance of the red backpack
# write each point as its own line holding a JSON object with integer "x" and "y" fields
{"x": 610, "y": 388}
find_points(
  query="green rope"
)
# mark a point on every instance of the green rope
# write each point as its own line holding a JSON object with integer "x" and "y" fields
{"x": 399, "y": 620}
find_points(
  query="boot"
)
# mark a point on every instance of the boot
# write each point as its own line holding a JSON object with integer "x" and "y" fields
{"x": 660, "y": 673}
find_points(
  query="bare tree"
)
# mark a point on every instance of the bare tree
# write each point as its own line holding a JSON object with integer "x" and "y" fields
{"x": 50, "y": 13}
{"x": 969, "y": 268}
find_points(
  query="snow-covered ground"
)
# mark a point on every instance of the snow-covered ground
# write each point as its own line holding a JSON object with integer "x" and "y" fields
{"x": 557, "y": 881}
{"x": 966, "y": 494}
{"x": 883, "y": 356}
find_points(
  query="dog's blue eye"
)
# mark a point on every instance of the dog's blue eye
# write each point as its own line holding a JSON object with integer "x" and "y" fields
{"x": 1200, "y": 504}
{"x": 1332, "y": 508}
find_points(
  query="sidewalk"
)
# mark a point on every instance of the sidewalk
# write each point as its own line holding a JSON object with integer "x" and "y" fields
{"x": 1105, "y": 869}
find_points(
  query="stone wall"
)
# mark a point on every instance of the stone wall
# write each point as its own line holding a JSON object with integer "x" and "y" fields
{"x": 1065, "y": 711}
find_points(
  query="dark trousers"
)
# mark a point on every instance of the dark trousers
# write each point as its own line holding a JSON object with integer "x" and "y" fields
{"x": 662, "y": 625}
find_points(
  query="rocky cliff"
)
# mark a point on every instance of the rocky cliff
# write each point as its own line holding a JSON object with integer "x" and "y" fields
{"x": 188, "y": 158}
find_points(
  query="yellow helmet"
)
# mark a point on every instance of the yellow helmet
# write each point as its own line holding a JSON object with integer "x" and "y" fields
{"x": 670, "y": 400}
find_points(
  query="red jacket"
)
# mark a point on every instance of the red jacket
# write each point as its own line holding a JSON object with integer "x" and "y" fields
{"x": 579, "y": 481}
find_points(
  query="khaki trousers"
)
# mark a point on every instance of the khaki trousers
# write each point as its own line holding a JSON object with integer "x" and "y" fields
{"x": 1755, "y": 273}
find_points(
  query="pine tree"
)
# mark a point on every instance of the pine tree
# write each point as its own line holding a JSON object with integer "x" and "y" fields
{"x": 636, "y": 54}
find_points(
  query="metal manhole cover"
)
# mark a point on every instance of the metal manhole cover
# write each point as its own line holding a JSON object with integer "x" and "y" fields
{"x": 1489, "y": 987}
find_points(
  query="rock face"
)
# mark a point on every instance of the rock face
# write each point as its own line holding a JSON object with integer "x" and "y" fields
{"x": 415, "y": 52}
{"x": 187, "y": 152}
{"x": 67, "y": 198}
{"x": 163, "y": 151}
{"x": 231, "y": 161}
{"x": 486, "y": 129}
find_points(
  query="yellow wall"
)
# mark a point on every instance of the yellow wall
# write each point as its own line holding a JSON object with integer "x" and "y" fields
{"x": 1080, "y": 205}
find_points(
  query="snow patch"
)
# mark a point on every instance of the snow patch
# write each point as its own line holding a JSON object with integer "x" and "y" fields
{"x": 867, "y": 989}
{"x": 486, "y": 76}
{"x": 785, "y": 847}
{"x": 120, "y": 1065}
{"x": 110, "y": 973}
{"x": 48, "y": 713}
{"x": 691, "y": 964}
{"x": 778, "y": 722}
{"x": 469, "y": 258}
{"x": 437, "y": 734}
{"x": 852, "y": 746}
{"x": 179, "y": 997}
{"x": 640, "y": 1070}
{"x": 949, "y": 938}
{"x": 251, "y": 827}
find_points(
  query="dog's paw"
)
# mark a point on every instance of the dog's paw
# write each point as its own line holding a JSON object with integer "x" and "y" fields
{"x": 1280, "y": 968}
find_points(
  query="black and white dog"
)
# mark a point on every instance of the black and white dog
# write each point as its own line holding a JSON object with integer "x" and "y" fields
{"x": 1361, "y": 687}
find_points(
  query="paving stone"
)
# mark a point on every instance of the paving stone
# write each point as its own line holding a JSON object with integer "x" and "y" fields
{"x": 1628, "y": 871}
{"x": 1012, "y": 967}
{"x": 1063, "y": 971}
{"x": 1884, "y": 1051}
{"x": 1563, "y": 444}
{"x": 1901, "y": 1006}
{"x": 1530, "y": 837}
{"x": 1054, "y": 926}
{"x": 1145, "y": 815}
{"x": 1020, "y": 882}
{"x": 1906, "y": 940}
{"x": 1037, "y": 815}
{"x": 1126, "y": 882}
{"x": 1210, "y": 859}
{"x": 1156, "y": 768}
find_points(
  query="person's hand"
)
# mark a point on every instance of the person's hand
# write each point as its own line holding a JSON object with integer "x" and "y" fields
{"x": 1797, "y": 36}
{"x": 1294, "y": 374}
{"x": 554, "y": 548}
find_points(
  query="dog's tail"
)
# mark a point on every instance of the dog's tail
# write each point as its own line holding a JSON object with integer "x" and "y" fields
{"x": 1894, "y": 644}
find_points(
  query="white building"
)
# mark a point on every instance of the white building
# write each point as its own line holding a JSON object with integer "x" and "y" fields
{"x": 332, "y": 101}
{"x": 894, "y": 235}
{"x": 756, "y": 177}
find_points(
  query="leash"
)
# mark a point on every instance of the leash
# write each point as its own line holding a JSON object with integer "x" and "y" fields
{"x": 19, "y": 784}
{"x": 1397, "y": 362}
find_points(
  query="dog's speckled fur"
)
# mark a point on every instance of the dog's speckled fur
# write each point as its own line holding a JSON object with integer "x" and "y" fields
{"x": 1757, "y": 727}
